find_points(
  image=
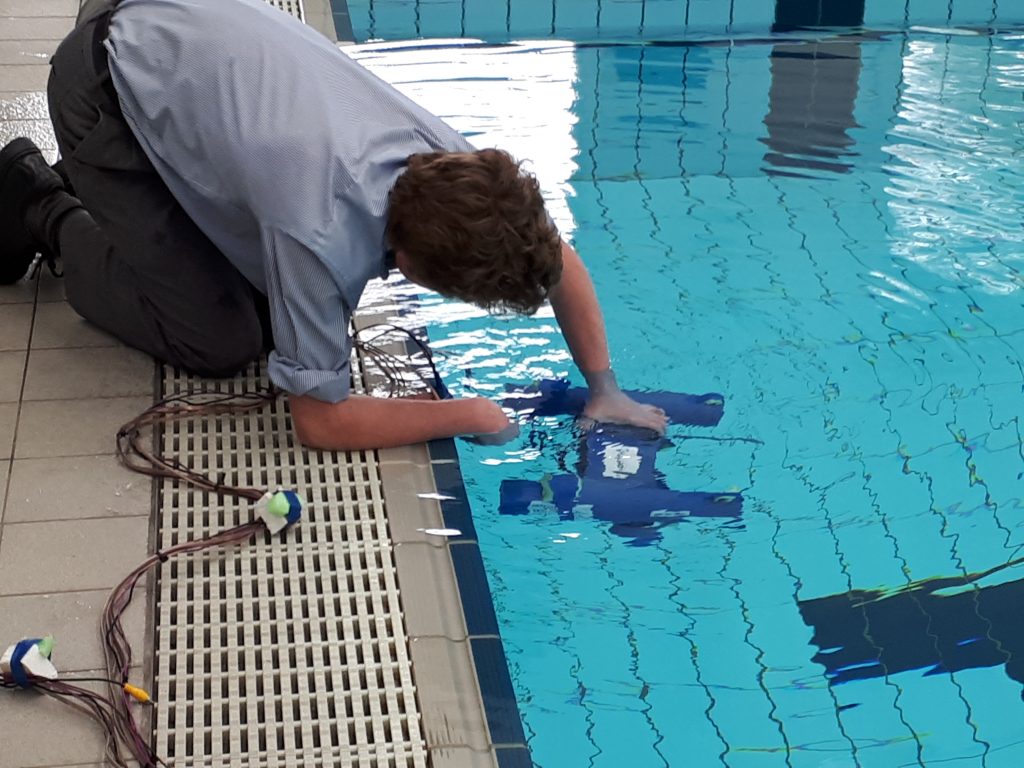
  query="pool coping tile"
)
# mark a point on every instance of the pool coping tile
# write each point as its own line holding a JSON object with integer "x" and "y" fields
{"x": 457, "y": 557}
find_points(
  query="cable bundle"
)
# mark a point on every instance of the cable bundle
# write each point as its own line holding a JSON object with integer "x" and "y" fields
{"x": 114, "y": 710}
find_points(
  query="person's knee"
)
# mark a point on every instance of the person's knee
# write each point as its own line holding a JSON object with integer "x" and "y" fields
{"x": 224, "y": 348}
{"x": 224, "y": 356}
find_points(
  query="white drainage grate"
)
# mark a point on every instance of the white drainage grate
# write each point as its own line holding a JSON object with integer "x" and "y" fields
{"x": 291, "y": 651}
{"x": 294, "y": 7}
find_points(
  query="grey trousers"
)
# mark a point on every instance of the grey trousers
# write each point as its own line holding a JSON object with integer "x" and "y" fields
{"x": 134, "y": 262}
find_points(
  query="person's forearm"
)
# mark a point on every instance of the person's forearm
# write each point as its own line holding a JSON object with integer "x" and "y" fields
{"x": 579, "y": 315}
{"x": 362, "y": 422}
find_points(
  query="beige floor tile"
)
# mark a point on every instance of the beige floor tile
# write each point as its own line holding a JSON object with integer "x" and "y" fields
{"x": 73, "y": 618}
{"x": 17, "y": 52}
{"x": 408, "y": 513}
{"x": 74, "y": 427}
{"x": 15, "y": 325}
{"x": 34, "y": 28}
{"x": 429, "y": 592}
{"x": 449, "y": 699}
{"x": 24, "y": 106}
{"x": 50, "y": 288}
{"x": 12, "y": 373}
{"x": 39, "y": 8}
{"x": 57, "y": 325}
{"x": 462, "y": 757}
{"x": 55, "y": 374}
{"x": 70, "y": 555}
{"x": 75, "y": 487}
{"x": 8, "y": 420}
{"x": 19, "y": 293}
{"x": 29, "y": 77}
{"x": 49, "y": 732}
{"x": 405, "y": 454}
{"x": 40, "y": 131}
{"x": 5, "y": 468}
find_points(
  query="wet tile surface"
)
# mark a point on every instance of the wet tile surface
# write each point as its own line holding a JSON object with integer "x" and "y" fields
{"x": 447, "y": 688}
{"x": 39, "y": 131}
{"x": 17, "y": 52}
{"x": 19, "y": 105}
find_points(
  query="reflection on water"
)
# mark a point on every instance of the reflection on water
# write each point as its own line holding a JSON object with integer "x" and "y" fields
{"x": 861, "y": 314}
{"x": 866, "y": 634}
{"x": 957, "y": 189}
{"x": 812, "y": 97}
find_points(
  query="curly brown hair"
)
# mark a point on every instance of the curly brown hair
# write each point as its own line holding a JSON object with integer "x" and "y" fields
{"x": 472, "y": 225}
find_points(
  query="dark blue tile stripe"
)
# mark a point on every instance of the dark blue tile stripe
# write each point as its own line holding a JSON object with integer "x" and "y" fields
{"x": 443, "y": 450}
{"x": 477, "y": 604}
{"x": 456, "y": 510}
{"x": 514, "y": 757}
{"x": 503, "y": 718}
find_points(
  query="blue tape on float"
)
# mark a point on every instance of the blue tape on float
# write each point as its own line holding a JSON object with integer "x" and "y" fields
{"x": 294, "y": 507}
{"x": 17, "y": 668}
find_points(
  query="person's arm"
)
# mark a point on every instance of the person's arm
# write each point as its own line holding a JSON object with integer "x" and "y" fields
{"x": 361, "y": 422}
{"x": 311, "y": 357}
{"x": 579, "y": 316}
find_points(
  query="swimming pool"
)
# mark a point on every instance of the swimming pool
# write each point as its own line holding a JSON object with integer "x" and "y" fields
{"x": 829, "y": 235}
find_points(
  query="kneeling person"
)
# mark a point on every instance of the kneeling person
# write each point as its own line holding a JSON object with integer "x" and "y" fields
{"x": 231, "y": 183}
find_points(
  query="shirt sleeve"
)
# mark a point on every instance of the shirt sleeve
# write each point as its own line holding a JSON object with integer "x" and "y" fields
{"x": 310, "y": 318}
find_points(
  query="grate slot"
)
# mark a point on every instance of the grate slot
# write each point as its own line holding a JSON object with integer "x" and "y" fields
{"x": 289, "y": 652}
{"x": 294, "y": 7}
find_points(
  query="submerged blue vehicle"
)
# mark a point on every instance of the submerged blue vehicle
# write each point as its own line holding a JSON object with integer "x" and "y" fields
{"x": 616, "y": 479}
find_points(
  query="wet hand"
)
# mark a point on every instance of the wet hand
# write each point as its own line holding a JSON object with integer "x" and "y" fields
{"x": 509, "y": 433}
{"x": 493, "y": 425}
{"x": 618, "y": 408}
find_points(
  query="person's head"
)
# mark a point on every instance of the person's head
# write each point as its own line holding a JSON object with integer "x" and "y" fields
{"x": 472, "y": 225}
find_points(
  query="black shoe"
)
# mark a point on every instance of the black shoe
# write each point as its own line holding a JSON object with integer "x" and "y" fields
{"x": 25, "y": 178}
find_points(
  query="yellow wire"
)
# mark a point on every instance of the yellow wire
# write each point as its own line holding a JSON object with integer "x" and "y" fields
{"x": 137, "y": 693}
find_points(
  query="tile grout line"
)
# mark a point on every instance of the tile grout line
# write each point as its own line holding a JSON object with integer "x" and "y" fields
{"x": 48, "y": 592}
{"x": 17, "y": 417}
{"x": 77, "y": 519}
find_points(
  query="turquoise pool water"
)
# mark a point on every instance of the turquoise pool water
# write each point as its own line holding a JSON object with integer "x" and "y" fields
{"x": 830, "y": 235}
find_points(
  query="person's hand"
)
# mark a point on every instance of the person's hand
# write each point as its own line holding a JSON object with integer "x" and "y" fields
{"x": 610, "y": 405}
{"x": 509, "y": 433}
{"x": 494, "y": 426}
{"x": 619, "y": 408}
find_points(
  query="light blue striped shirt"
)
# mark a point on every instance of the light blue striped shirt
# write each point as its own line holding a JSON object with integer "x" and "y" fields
{"x": 282, "y": 150}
